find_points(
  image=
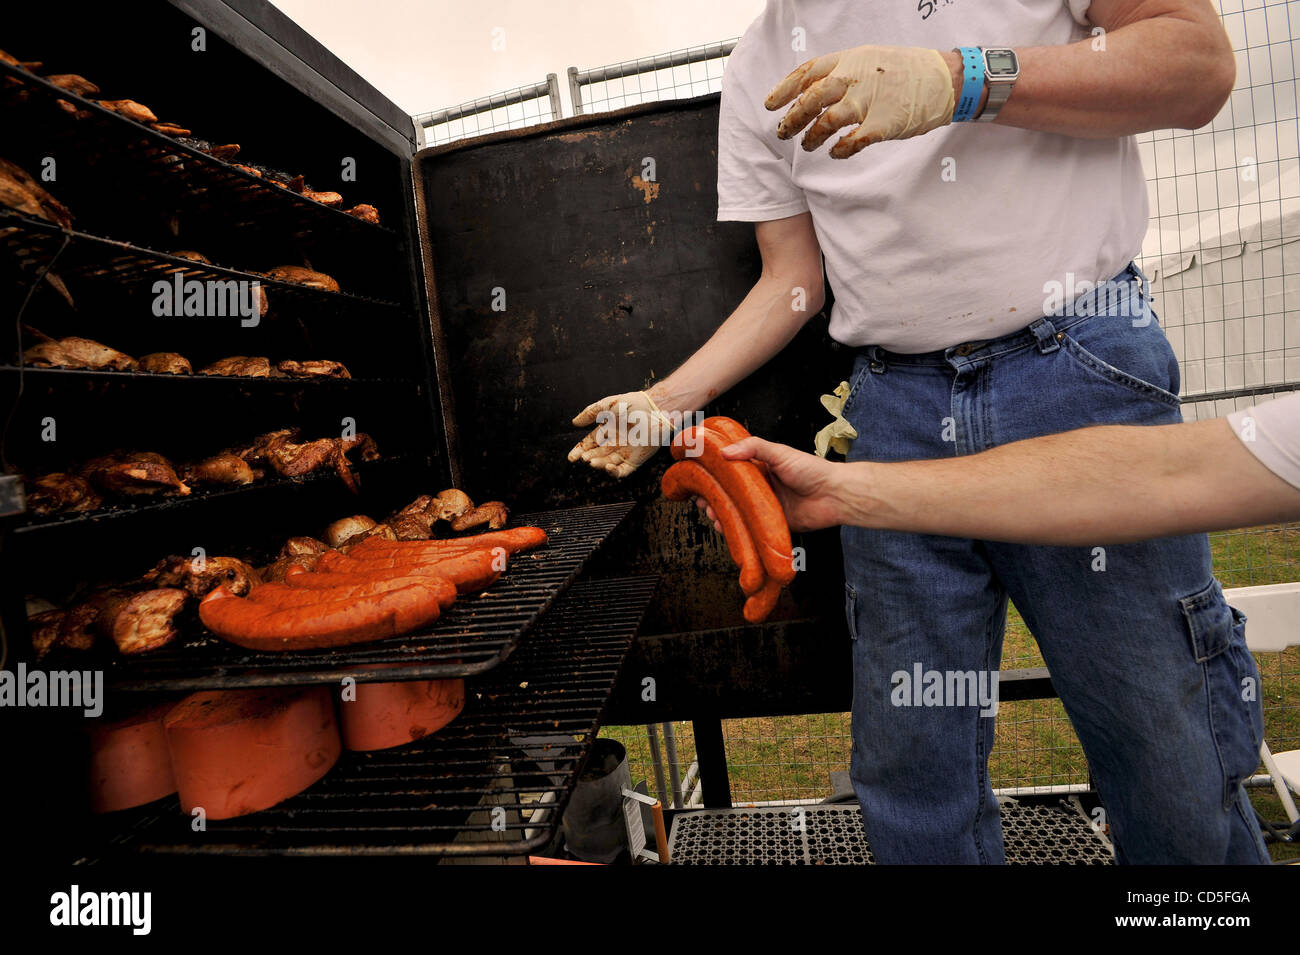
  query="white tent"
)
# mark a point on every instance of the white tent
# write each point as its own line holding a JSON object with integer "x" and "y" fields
{"x": 1223, "y": 248}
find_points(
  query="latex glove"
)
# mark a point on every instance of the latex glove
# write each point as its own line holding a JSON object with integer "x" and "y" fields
{"x": 839, "y": 434}
{"x": 894, "y": 92}
{"x": 630, "y": 428}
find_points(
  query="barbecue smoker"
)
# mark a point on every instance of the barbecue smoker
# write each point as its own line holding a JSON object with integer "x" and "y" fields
{"x": 603, "y": 285}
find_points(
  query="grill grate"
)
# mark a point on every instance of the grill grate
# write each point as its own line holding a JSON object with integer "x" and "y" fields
{"x": 474, "y": 636}
{"x": 173, "y": 174}
{"x": 30, "y": 522}
{"x": 95, "y": 258}
{"x": 523, "y": 738}
{"x": 52, "y": 376}
{"x": 1033, "y": 833}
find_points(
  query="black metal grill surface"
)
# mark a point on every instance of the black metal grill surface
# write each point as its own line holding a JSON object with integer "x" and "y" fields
{"x": 475, "y": 635}
{"x": 523, "y": 738}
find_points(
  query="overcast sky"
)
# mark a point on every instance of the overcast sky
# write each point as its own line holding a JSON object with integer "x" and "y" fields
{"x": 431, "y": 54}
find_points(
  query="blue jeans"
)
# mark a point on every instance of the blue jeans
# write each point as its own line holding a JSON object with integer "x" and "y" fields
{"x": 1147, "y": 657}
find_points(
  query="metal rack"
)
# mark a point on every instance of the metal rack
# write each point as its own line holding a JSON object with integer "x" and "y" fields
{"x": 475, "y": 635}
{"x": 143, "y": 162}
{"x": 517, "y": 749}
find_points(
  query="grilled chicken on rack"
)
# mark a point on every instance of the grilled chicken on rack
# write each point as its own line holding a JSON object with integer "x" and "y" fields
{"x": 64, "y": 493}
{"x": 165, "y": 363}
{"x": 130, "y": 109}
{"x": 296, "y": 460}
{"x": 73, "y": 83}
{"x": 318, "y": 368}
{"x": 139, "y": 622}
{"x": 54, "y": 210}
{"x": 171, "y": 129}
{"x": 197, "y": 577}
{"x": 224, "y": 468}
{"x": 325, "y": 198}
{"x": 298, "y": 275}
{"x": 74, "y": 352}
{"x": 133, "y": 473}
{"x": 302, "y": 552}
{"x": 225, "y": 152}
{"x": 241, "y": 366}
{"x": 262, "y": 304}
{"x": 365, "y": 212}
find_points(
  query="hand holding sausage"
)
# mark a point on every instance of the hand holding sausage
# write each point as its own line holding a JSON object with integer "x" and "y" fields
{"x": 806, "y": 485}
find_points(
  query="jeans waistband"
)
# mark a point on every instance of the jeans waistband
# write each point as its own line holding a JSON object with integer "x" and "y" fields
{"x": 1078, "y": 310}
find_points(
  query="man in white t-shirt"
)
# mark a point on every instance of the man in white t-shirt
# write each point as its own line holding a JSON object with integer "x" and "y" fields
{"x": 977, "y": 217}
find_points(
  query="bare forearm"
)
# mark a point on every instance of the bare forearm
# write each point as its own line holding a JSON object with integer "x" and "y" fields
{"x": 1101, "y": 485}
{"x": 764, "y": 323}
{"x": 1158, "y": 65}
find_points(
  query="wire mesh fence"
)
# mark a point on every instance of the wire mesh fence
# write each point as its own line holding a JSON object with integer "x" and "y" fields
{"x": 510, "y": 109}
{"x": 1223, "y": 256}
{"x": 680, "y": 74}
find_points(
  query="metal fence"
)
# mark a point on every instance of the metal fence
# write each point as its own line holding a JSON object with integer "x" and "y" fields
{"x": 680, "y": 74}
{"x": 510, "y": 109}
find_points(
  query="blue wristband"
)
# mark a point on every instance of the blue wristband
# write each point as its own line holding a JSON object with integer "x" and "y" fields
{"x": 972, "y": 87}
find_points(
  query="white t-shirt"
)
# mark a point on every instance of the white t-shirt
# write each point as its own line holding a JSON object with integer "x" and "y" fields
{"x": 918, "y": 263}
{"x": 1271, "y": 431}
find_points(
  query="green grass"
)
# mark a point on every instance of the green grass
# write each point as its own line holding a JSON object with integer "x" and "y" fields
{"x": 780, "y": 758}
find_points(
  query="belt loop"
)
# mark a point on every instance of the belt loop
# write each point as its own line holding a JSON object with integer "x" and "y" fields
{"x": 876, "y": 355}
{"x": 1045, "y": 332}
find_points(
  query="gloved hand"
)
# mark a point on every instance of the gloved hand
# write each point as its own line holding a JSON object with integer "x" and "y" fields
{"x": 895, "y": 92}
{"x": 630, "y": 428}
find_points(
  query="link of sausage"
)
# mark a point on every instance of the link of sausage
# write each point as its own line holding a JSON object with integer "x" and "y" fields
{"x": 686, "y": 479}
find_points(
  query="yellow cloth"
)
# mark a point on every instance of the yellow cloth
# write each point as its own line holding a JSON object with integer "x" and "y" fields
{"x": 839, "y": 434}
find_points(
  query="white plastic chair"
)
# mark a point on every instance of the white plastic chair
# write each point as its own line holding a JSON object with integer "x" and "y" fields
{"x": 1273, "y": 625}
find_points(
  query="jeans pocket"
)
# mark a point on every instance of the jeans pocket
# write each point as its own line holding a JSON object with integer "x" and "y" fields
{"x": 851, "y": 609}
{"x": 1136, "y": 357}
{"x": 1218, "y": 640}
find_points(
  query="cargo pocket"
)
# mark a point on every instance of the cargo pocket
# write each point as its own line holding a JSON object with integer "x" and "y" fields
{"x": 1218, "y": 642}
{"x": 851, "y": 609}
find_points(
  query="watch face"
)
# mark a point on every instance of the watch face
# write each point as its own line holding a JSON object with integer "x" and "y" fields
{"x": 1001, "y": 62}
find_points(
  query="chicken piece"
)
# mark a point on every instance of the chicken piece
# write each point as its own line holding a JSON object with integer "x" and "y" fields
{"x": 133, "y": 474}
{"x": 296, "y": 460}
{"x": 379, "y": 532}
{"x": 224, "y": 468}
{"x": 410, "y": 527}
{"x": 55, "y": 211}
{"x": 313, "y": 368}
{"x": 79, "y": 627}
{"x": 130, "y": 109}
{"x": 137, "y": 623}
{"x": 225, "y": 152}
{"x": 298, "y": 275}
{"x": 365, "y": 212}
{"x": 256, "y": 453}
{"x": 44, "y": 628}
{"x": 346, "y": 528}
{"x": 251, "y": 170}
{"x": 276, "y": 572}
{"x": 76, "y": 112}
{"x": 170, "y": 129}
{"x": 362, "y": 445}
{"x": 165, "y": 363}
{"x": 59, "y": 492}
{"x": 240, "y": 366}
{"x": 303, "y": 546}
{"x": 198, "y": 577}
{"x": 325, "y": 198}
{"x": 192, "y": 256}
{"x": 449, "y": 505}
{"x": 76, "y": 352}
{"x": 14, "y": 195}
{"x": 73, "y": 83}
{"x": 493, "y": 514}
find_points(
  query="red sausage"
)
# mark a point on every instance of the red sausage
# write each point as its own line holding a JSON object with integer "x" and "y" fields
{"x": 514, "y": 540}
{"x": 238, "y": 751}
{"x": 686, "y": 479}
{"x": 471, "y": 571}
{"x": 329, "y": 623}
{"x": 380, "y": 580}
{"x": 762, "y": 603}
{"x": 755, "y": 498}
{"x": 733, "y": 431}
{"x": 319, "y": 588}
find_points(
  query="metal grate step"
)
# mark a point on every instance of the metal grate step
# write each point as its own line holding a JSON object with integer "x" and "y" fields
{"x": 1033, "y": 833}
